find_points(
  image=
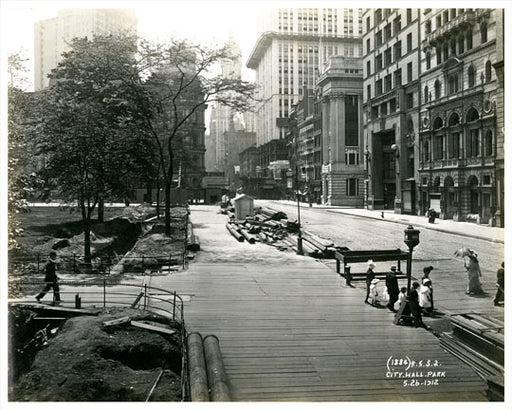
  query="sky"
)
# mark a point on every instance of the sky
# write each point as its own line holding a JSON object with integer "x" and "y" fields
{"x": 207, "y": 22}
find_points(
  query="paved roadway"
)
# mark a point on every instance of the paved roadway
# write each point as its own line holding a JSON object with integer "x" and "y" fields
{"x": 361, "y": 229}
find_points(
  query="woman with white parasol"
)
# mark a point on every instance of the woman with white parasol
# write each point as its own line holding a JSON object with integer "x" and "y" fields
{"x": 473, "y": 268}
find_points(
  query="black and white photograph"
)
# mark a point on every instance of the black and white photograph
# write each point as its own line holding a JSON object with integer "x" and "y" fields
{"x": 255, "y": 203}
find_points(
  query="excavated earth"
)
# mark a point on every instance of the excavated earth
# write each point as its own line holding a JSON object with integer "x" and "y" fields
{"x": 81, "y": 360}
{"x": 85, "y": 361}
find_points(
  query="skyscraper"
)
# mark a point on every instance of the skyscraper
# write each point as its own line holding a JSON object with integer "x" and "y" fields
{"x": 225, "y": 122}
{"x": 53, "y": 35}
{"x": 289, "y": 54}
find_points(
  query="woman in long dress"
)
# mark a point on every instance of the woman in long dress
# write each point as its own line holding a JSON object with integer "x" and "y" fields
{"x": 474, "y": 274}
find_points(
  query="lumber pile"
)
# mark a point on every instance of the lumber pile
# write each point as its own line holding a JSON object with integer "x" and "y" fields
{"x": 478, "y": 340}
{"x": 272, "y": 227}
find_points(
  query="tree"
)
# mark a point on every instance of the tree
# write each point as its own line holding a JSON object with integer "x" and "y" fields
{"x": 181, "y": 83}
{"x": 91, "y": 128}
{"x": 22, "y": 183}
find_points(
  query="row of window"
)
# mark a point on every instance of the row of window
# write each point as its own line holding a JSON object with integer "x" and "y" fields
{"x": 456, "y": 45}
{"x": 451, "y": 146}
{"x": 381, "y": 14}
{"x": 444, "y": 18}
{"x": 454, "y": 82}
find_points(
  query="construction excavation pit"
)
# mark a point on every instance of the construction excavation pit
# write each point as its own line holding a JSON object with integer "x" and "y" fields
{"x": 116, "y": 354}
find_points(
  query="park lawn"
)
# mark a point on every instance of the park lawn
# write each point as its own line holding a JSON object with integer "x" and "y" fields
{"x": 42, "y": 222}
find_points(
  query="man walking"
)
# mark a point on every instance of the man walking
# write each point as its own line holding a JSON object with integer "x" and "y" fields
{"x": 50, "y": 278}
{"x": 392, "y": 286}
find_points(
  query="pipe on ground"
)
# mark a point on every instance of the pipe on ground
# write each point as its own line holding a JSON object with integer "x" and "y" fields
{"x": 197, "y": 368}
{"x": 233, "y": 231}
{"x": 250, "y": 237}
{"x": 217, "y": 378}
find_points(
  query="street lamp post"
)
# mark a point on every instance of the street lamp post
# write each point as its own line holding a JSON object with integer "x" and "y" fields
{"x": 411, "y": 239}
{"x": 300, "y": 251}
{"x": 366, "y": 154}
{"x": 398, "y": 189}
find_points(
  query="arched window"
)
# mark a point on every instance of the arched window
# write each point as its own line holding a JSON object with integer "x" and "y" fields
{"x": 488, "y": 143}
{"x": 437, "y": 89}
{"x": 483, "y": 32}
{"x": 488, "y": 71}
{"x": 438, "y": 123}
{"x": 425, "y": 94}
{"x": 472, "y": 115}
{"x": 454, "y": 119}
{"x": 471, "y": 76}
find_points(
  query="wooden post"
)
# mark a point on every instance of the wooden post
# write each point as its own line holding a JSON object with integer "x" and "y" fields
{"x": 104, "y": 293}
{"x": 174, "y": 307}
{"x": 78, "y": 301}
{"x": 348, "y": 275}
{"x": 145, "y": 295}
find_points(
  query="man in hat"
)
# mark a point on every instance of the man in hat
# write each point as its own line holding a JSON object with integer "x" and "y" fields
{"x": 50, "y": 278}
{"x": 392, "y": 286}
{"x": 370, "y": 275}
{"x": 500, "y": 285}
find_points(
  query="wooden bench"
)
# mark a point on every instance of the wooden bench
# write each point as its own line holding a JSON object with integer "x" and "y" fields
{"x": 348, "y": 256}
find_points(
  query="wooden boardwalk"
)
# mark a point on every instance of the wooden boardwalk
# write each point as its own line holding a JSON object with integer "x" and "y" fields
{"x": 290, "y": 330}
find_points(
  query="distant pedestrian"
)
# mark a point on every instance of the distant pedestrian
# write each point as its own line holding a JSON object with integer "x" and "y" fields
{"x": 370, "y": 275}
{"x": 401, "y": 297}
{"x": 414, "y": 305}
{"x": 392, "y": 287}
{"x": 500, "y": 285}
{"x": 425, "y": 296}
{"x": 50, "y": 278}
{"x": 432, "y": 214}
{"x": 374, "y": 293}
{"x": 474, "y": 274}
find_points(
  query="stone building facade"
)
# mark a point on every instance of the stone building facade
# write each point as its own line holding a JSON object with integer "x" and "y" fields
{"x": 460, "y": 138}
{"x": 340, "y": 92}
{"x": 391, "y": 97}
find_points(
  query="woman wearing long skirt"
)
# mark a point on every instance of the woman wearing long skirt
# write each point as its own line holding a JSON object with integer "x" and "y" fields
{"x": 474, "y": 274}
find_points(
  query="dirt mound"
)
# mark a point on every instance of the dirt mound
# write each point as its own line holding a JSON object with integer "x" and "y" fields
{"x": 87, "y": 362}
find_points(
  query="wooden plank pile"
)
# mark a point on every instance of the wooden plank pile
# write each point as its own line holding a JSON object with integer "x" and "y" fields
{"x": 274, "y": 228}
{"x": 478, "y": 340}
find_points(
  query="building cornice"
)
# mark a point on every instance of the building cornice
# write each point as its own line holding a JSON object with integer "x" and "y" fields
{"x": 266, "y": 39}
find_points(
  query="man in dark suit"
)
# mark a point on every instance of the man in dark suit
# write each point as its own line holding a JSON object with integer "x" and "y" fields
{"x": 50, "y": 278}
{"x": 392, "y": 286}
{"x": 500, "y": 285}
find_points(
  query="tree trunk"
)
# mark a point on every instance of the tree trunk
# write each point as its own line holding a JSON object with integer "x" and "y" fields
{"x": 86, "y": 226}
{"x": 158, "y": 198}
{"x": 168, "y": 208}
{"x": 101, "y": 210}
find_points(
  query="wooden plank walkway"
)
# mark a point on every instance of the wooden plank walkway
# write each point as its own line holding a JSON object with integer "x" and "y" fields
{"x": 290, "y": 330}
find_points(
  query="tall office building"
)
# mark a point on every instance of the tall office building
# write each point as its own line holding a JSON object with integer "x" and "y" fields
{"x": 294, "y": 45}
{"x": 391, "y": 44}
{"x": 226, "y": 123}
{"x": 53, "y": 35}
